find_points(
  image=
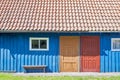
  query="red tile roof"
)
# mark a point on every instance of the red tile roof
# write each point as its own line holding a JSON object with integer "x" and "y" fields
{"x": 60, "y": 15}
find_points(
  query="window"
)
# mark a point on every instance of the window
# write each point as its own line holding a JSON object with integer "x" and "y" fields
{"x": 115, "y": 44}
{"x": 39, "y": 43}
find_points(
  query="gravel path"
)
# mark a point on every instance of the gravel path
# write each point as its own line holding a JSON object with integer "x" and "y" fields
{"x": 68, "y": 74}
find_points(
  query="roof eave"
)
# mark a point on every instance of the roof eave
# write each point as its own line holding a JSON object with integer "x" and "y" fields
{"x": 34, "y": 31}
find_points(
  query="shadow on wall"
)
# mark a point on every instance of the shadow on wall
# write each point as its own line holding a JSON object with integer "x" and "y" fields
{"x": 11, "y": 60}
{"x": 104, "y": 52}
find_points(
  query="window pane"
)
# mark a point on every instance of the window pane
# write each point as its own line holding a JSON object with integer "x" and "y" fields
{"x": 35, "y": 44}
{"x": 116, "y": 44}
{"x": 43, "y": 44}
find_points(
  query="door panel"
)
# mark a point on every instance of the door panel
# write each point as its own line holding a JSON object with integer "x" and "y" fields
{"x": 90, "y": 54}
{"x": 69, "y": 49}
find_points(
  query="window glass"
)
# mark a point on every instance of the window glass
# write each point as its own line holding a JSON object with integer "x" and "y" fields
{"x": 115, "y": 44}
{"x": 39, "y": 44}
{"x": 35, "y": 44}
{"x": 43, "y": 44}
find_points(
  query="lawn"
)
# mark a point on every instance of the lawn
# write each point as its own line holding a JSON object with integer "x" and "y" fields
{"x": 12, "y": 77}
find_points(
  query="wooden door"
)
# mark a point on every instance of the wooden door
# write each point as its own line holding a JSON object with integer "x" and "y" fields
{"x": 90, "y": 54}
{"x": 69, "y": 49}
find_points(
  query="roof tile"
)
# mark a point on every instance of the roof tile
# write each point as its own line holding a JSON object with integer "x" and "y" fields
{"x": 60, "y": 15}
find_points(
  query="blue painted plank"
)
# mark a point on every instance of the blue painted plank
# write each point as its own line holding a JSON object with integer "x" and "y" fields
{"x": 15, "y": 62}
{"x": 117, "y": 61}
{"x": 101, "y": 55}
{"x": 106, "y": 61}
{"x": 113, "y": 62}
{"x": 110, "y": 63}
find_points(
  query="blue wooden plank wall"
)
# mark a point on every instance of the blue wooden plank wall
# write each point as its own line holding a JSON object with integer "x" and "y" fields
{"x": 110, "y": 60}
{"x": 14, "y": 52}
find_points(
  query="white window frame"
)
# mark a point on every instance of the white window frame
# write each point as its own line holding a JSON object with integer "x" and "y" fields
{"x": 112, "y": 40}
{"x": 34, "y": 38}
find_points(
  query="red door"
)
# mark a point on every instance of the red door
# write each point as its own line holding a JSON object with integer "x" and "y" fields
{"x": 90, "y": 54}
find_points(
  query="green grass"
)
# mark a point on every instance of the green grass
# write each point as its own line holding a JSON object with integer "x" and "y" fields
{"x": 12, "y": 77}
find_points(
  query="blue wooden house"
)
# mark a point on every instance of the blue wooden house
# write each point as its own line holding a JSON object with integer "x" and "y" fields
{"x": 63, "y": 35}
